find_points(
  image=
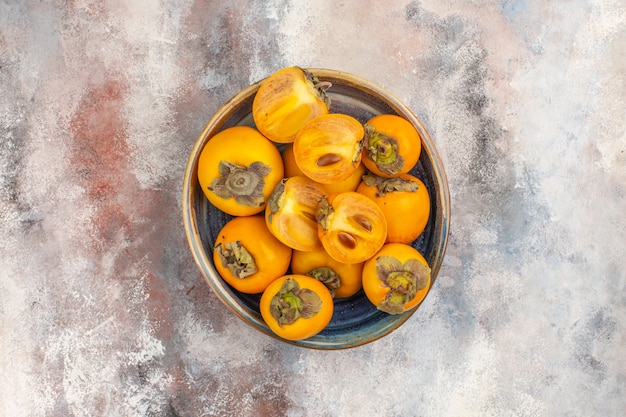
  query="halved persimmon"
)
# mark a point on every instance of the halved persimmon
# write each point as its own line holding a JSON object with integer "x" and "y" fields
{"x": 405, "y": 202}
{"x": 392, "y": 147}
{"x": 286, "y": 100}
{"x": 291, "y": 212}
{"x": 349, "y": 184}
{"x": 352, "y": 228}
{"x": 328, "y": 148}
{"x": 397, "y": 278}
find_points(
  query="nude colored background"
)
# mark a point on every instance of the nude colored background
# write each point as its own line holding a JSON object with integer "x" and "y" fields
{"x": 103, "y": 311}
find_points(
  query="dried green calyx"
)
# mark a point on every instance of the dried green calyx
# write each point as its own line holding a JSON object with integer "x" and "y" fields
{"x": 292, "y": 302}
{"x": 383, "y": 151}
{"x": 244, "y": 184}
{"x": 236, "y": 258}
{"x": 388, "y": 185}
{"x": 320, "y": 87}
{"x": 328, "y": 277}
{"x": 403, "y": 279}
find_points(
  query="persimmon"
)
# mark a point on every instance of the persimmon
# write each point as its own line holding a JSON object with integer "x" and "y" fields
{"x": 296, "y": 307}
{"x": 349, "y": 184}
{"x": 238, "y": 169}
{"x": 247, "y": 256}
{"x": 397, "y": 278}
{"x": 393, "y": 145}
{"x": 404, "y": 201}
{"x": 286, "y": 100}
{"x": 343, "y": 280}
{"x": 291, "y": 213}
{"x": 328, "y": 148}
{"x": 351, "y": 227}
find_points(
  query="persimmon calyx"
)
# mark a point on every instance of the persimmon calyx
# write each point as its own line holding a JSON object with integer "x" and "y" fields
{"x": 383, "y": 151}
{"x": 324, "y": 210}
{"x": 319, "y": 87}
{"x": 404, "y": 280}
{"x": 237, "y": 259}
{"x": 388, "y": 185}
{"x": 292, "y": 302}
{"x": 275, "y": 199}
{"x": 244, "y": 184}
{"x": 328, "y": 277}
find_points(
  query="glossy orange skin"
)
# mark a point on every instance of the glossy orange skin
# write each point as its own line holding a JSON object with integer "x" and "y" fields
{"x": 284, "y": 102}
{"x": 409, "y": 142}
{"x": 406, "y": 212}
{"x": 240, "y": 145}
{"x": 349, "y": 184}
{"x": 294, "y": 223}
{"x": 375, "y": 289}
{"x": 348, "y": 209}
{"x": 338, "y": 134}
{"x": 272, "y": 258}
{"x": 302, "y": 328}
{"x": 349, "y": 274}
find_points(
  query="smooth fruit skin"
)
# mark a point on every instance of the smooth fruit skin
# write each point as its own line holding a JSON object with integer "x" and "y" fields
{"x": 272, "y": 258}
{"x": 406, "y": 212}
{"x": 239, "y": 145}
{"x": 328, "y": 149}
{"x": 302, "y": 328}
{"x": 291, "y": 210}
{"x": 350, "y": 274}
{"x": 351, "y": 227}
{"x": 407, "y": 137}
{"x": 349, "y": 184}
{"x": 285, "y": 101}
{"x": 375, "y": 289}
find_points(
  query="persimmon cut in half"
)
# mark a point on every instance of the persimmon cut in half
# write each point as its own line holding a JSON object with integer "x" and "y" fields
{"x": 286, "y": 100}
{"x": 405, "y": 202}
{"x": 392, "y": 145}
{"x": 349, "y": 184}
{"x": 328, "y": 148}
{"x": 291, "y": 213}
{"x": 352, "y": 228}
{"x": 397, "y": 278}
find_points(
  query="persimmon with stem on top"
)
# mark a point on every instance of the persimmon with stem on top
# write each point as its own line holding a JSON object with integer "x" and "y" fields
{"x": 238, "y": 169}
{"x": 247, "y": 256}
{"x": 296, "y": 307}
{"x": 397, "y": 278}
{"x": 392, "y": 145}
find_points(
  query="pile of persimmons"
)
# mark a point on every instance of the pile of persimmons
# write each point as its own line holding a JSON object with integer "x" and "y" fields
{"x": 333, "y": 213}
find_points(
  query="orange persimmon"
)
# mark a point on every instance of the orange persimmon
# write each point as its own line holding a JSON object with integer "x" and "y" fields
{"x": 405, "y": 202}
{"x": 328, "y": 148}
{"x": 351, "y": 227}
{"x": 247, "y": 256}
{"x": 393, "y": 145}
{"x": 296, "y": 307}
{"x": 397, "y": 278}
